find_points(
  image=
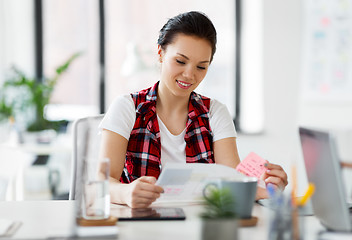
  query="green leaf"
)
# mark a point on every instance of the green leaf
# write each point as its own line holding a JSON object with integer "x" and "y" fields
{"x": 27, "y": 94}
{"x": 219, "y": 204}
{"x": 65, "y": 66}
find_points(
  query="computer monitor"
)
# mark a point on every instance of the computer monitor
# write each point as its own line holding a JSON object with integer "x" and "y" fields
{"x": 323, "y": 169}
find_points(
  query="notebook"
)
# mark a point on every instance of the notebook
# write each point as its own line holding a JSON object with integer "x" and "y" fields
{"x": 323, "y": 169}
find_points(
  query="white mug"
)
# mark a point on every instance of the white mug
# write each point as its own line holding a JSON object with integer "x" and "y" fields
{"x": 243, "y": 193}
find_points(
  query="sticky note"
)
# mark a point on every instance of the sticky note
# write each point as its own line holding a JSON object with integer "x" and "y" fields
{"x": 252, "y": 165}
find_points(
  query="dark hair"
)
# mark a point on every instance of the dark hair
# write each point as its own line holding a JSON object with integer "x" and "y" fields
{"x": 189, "y": 23}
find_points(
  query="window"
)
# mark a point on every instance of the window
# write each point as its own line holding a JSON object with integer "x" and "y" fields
{"x": 17, "y": 37}
{"x": 70, "y": 27}
{"x": 131, "y": 32}
{"x": 251, "y": 107}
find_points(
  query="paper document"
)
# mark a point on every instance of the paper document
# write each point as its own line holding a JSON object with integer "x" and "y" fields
{"x": 8, "y": 227}
{"x": 185, "y": 182}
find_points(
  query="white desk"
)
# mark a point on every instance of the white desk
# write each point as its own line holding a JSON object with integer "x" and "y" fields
{"x": 43, "y": 219}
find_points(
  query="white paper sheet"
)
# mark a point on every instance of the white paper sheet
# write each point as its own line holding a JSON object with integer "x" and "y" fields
{"x": 185, "y": 182}
{"x": 8, "y": 227}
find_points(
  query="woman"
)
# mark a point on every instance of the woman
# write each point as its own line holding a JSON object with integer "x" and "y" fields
{"x": 169, "y": 122}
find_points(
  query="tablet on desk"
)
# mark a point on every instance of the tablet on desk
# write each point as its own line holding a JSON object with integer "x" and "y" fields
{"x": 147, "y": 214}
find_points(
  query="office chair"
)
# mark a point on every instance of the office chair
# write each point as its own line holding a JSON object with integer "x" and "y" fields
{"x": 86, "y": 142}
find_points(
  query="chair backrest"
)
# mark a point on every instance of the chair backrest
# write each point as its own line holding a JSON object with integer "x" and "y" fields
{"x": 86, "y": 142}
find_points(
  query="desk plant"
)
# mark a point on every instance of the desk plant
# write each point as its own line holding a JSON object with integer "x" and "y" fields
{"x": 22, "y": 97}
{"x": 219, "y": 220}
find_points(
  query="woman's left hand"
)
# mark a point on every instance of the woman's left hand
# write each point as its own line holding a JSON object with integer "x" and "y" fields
{"x": 274, "y": 175}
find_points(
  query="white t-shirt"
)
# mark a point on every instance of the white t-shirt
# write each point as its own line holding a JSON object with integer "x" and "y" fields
{"x": 121, "y": 116}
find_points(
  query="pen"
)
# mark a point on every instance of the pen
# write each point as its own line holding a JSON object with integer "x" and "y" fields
{"x": 294, "y": 186}
{"x": 294, "y": 210}
{"x": 276, "y": 196}
{"x": 307, "y": 195}
{"x": 271, "y": 190}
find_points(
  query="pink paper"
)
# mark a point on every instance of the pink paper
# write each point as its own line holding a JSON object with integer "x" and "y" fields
{"x": 252, "y": 165}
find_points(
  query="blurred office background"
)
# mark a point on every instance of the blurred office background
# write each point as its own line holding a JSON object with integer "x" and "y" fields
{"x": 279, "y": 65}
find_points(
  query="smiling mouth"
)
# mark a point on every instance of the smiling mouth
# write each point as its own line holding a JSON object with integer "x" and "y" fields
{"x": 183, "y": 84}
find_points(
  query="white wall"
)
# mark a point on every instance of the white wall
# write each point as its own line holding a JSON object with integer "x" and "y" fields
{"x": 284, "y": 108}
{"x": 281, "y": 69}
{"x": 16, "y": 42}
{"x": 17, "y": 36}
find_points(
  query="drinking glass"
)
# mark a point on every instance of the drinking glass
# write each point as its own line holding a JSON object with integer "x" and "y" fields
{"x": 96, "y": 197}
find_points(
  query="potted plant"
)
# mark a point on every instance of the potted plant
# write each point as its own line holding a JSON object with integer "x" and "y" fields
{"x": 219, "y": 221}
{"x": 23, "y": 99}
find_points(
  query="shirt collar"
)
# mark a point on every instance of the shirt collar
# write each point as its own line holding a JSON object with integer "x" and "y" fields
{"x": 196, "y": 106}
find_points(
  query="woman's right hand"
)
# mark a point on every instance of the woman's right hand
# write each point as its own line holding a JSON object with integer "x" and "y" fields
{"x": 138, "y": 194}
{"x": 142, "y": 192}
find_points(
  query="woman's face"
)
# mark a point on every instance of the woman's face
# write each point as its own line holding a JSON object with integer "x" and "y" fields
{"x": 184, "y": 64}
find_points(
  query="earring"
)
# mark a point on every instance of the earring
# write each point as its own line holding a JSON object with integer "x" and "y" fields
{"x": 160, "y": 57}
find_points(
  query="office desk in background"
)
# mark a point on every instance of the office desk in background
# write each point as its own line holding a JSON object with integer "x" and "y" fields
{"x": 27, "y": 167}
{"x": 49, "y": 219}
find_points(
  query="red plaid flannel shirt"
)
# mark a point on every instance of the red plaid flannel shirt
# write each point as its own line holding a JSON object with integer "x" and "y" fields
{"x": 144, "y": 146}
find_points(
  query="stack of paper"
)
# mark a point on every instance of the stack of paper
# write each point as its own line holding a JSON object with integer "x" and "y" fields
{"x": 185, "y": 182}
{"x": 102, "y": 228}
{"x": 96, "y": 231}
